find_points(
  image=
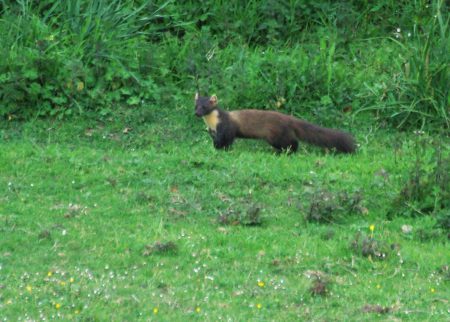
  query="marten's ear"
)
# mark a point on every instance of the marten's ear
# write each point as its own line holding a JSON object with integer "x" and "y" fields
{"x": 213, "y": 100}
{"x": 196, "y": 96}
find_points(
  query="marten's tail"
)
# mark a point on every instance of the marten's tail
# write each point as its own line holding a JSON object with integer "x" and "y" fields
{"x": 324, "y": 137}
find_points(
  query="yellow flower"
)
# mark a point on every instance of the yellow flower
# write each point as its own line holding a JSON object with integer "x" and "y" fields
{"x": 80, "y": 86}
{"x": 57, "y": 306}
{"x": 259, "y": 306}
{"x": 77, "y": 311}
{"x": 198, "y": 309}
{"x": 9, "y": 302}
{"x": 62, "y": 283}
{"x": 372, "y": 228}
{"x": 29, "y": 288}
{"x": 378, "y": 286}
{"x": 49, "y": 274}
{"x": 71, "y": 280}
{"x": 261, "y": 284}
{"x": 155, "y": 310}
{"x": 432, "y": 290}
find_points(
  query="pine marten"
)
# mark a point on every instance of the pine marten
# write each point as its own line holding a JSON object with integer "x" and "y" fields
{"x": 279, "y": 130}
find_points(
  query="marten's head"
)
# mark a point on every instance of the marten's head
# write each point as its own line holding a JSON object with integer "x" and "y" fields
{"x": 205, "y": 105}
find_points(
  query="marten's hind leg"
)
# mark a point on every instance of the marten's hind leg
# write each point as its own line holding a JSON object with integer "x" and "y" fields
{"x": 287, "y": 143}
{"x": 291, "y": 147}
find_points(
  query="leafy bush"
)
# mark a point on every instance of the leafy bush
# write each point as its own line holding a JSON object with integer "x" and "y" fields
{"x": 61, "y": 56}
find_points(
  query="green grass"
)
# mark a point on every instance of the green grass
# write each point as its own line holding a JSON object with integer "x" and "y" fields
{"x": 80, "y": 200}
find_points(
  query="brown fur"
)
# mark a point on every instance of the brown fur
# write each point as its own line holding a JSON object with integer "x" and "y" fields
{"x": 279, "y": 130}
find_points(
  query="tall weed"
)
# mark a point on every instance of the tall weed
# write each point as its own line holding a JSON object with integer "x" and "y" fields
{"x": 417, "y": 94}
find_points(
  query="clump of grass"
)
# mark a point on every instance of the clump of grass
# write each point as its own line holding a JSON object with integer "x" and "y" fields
{"x": 376, "y": 308}
{"x": 444, "y": 271}
{"x": 328, "y": 207}
{"x": 75, "y": 210}
{"x": 144, "y": 198}
{"x": 247, "y": 217}
{"x": 227, "y": 218}
{"x": 368, "y": 246}
{"x": 426, "y": 190}
{"x": 327, "y": 235}
{"x": 160, "y": 247}
{"x": 425, "y": 235}
{"x": 443, "y": 221}
{"x": 44, "y": 234}
{"x": 252, "y": 217}
{"x": 320, "y": 283}
{"x": 319, "y": 287}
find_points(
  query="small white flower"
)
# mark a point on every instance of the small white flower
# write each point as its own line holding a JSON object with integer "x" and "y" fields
{"x": 399, "y": 30}
{"x": 409, "y": 34}
{"x": 64, "y": 232}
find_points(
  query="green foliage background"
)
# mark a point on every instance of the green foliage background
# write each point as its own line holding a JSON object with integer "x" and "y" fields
{"x": 322, "y": 57}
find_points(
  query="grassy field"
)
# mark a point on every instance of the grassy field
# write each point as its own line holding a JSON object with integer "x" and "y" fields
{"x": 114, "y": 204}
{"x": 139, "y": 218}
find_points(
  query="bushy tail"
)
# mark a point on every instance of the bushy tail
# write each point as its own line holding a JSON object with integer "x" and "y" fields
{"x": 324, "y": 137}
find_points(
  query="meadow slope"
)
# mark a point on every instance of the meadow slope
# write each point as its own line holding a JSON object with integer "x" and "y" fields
{"x": 141, "y": 219}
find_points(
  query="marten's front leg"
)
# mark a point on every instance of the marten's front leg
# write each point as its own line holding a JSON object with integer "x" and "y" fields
{"x": 223, "y": 138}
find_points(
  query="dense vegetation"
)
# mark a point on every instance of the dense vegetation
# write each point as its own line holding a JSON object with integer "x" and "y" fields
{"x": 115, "y": 206}
{"x": 321, "y": 57}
